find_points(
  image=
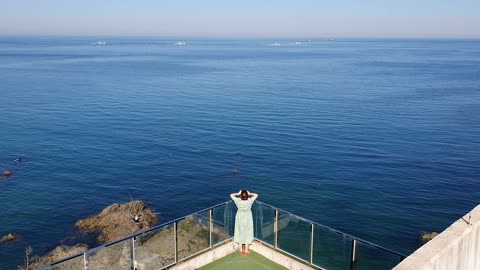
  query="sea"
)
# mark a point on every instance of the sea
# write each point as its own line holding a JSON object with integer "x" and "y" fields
{"x": 379, "y": 138}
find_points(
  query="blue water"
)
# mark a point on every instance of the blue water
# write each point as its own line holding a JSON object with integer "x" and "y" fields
{"x": 378, "y": 138}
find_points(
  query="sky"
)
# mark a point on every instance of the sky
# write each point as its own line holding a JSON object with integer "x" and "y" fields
{"x": 243, "y": 18}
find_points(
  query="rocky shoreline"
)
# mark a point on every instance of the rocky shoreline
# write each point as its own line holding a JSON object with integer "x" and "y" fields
{"x": 114, "y": 222}
{"x": 154, "y": 249}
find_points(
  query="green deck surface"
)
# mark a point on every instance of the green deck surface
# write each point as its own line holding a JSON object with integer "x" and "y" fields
{"x": 235, "y": 261}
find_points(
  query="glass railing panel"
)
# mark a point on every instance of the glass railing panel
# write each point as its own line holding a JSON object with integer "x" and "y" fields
{"x": 112, "y": 257}
{"x": 193, "y": 234}
{"x": 223, "y": 222}
{"x": 331, "y": 250}
{"x": 155, "y": 249}
{"x": 72, "y": 264}
{"x": 294, "y": 235}
{"x": 263, "y": 223}
{"x": 372, "y": 258}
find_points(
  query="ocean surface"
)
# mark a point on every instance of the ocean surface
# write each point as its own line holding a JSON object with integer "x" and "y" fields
{"x": 377, "y": 138}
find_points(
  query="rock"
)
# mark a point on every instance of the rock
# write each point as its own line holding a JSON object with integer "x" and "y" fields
{"x": 8, "y": 237}
{"x": 7, "y": 173}
{"x": 63, "y": 251}
{"x": 117, "y": 221}
{"x": 59, "y": 253}
{"x": 427, "y": 236}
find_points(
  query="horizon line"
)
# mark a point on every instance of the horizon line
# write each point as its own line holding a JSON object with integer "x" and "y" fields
{"x": 199, "y": 37}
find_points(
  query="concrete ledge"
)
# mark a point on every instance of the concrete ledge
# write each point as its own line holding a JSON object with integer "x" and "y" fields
{"x": 458, "y": 247}
{"x": 206, "y": 258}
{"x": 278, "y": 257}
{"x": 230, "y": 247}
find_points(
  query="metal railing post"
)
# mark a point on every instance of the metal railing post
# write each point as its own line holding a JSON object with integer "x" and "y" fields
{"x": 210, "y": 223}
{"x": 175, "y": 241}
{"x": 311, "y": 243}
{"x": 353, "y": 257}
{"x": 85, "y": 261}
{"x": 275, "y": 228}
{"x": 132, "y": 254}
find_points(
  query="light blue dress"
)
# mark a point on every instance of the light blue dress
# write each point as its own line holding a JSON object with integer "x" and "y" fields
{"x": 243, "y": 221}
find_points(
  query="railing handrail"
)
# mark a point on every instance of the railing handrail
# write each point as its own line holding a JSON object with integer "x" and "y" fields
{"x": 335, "y": 230}
{"x": 402, "y": 256}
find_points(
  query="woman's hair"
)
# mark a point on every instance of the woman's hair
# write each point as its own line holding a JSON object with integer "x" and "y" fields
{"x": 244, "y": 195}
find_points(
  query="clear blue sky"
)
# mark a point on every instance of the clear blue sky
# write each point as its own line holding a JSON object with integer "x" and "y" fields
{"x": 243, "y": 18}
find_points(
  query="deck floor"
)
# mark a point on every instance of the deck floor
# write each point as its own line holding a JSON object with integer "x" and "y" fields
{"x": 237, "y": 262}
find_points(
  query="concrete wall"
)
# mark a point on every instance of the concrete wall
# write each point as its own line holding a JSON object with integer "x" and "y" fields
{"x": 456, "y": 248}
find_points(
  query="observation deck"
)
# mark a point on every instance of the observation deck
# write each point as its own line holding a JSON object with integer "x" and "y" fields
{"x": 204, "y": 240}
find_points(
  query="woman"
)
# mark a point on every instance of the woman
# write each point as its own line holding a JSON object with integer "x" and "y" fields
{"x": 243, "y": 235}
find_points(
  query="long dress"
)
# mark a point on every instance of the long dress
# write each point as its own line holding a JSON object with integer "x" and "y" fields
{"x": 243, "y": 221}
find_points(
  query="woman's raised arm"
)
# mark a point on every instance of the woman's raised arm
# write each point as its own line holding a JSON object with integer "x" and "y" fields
{"x": 233, "y": 195}
{"x": 254, "y": 195}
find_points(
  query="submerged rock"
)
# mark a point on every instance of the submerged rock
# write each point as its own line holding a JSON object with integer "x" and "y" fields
{"x": 236, "y": 171}
{"x": 8, "y": 237}
{"x": 118, "y": 221}
{"x": 427, "y": 236}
